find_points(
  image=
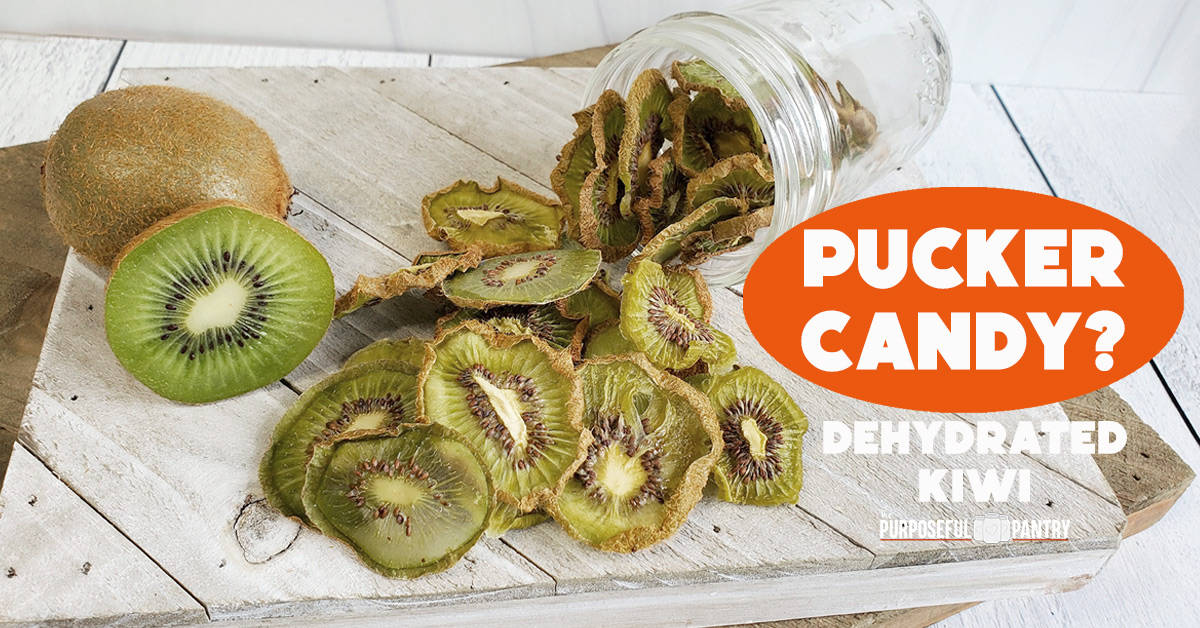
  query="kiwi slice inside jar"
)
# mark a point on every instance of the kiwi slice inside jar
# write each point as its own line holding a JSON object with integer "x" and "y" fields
{"x": 215, "y": 301}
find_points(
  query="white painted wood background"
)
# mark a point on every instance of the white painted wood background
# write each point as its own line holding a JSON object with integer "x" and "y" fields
{"x": 1150, "y": 45}
{"x": 1152, "y": 578}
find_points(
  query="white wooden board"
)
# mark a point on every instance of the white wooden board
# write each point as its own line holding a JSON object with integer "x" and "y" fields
{"x": 179, "y": 481}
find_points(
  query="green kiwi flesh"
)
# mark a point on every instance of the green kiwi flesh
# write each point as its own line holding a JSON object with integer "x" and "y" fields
{"x": 515, "y": 399}
{"x": 763, "y": 431}
{"x": 654, "y": 442}
{"x": 530, "y": 278}
{"x": 409, "y": 502}
{"x": 665, "y": 315}
{"x": 504, "y": 218}
{"x": 216, "y": 301}
{"x": 367, "y": 396}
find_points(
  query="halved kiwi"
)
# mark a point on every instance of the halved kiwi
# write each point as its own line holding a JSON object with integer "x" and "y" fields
{"x": 763, "y": 430}
{"x": 409, "y": 502}
{"x": 647, "y": 126}
{"x": 516, "y": 400}
{"x": 654, "y": 442}
{"x": 215, "y": 301}
{"x": 707, "y": 129}
{"x": 576, "y": 159}
{"x": 665, "y": 315}
{"x": 543, "y": 321}
{"x": 428, "y": 271}
{"x": 410, "y": 350}
{"x": 530, "y": 278}
{"x": 606, "y": 339}
{"x": 698, "y": 76}
{"x": 368, "y": 396}
{"x": 597, "y": 303}
{"x": 744, "y": 177}
{"x": 668, "y": 243}
{"x": 127, "y": 158}
{"x": 505, "y": 218}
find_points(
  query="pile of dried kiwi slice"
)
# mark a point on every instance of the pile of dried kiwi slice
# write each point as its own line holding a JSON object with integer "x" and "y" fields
{"x": 546, "y": 392}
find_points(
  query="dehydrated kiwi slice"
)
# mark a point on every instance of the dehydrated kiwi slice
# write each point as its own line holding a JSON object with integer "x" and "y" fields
{"x": 608, "y": 126}
{"x": 216, "y": 300}
{"x": 408, "y": 502}
{"x": 543, "y": 321}
{"x": 665, "y": 315}
{"x": 597, "y": 303}
{"x": 763, "y": 430}
{"x": 654, "y": 442}
{"x": 367, "y": 396}
{"x": 601, "y": 224}
{"x": 606, "y": 339}
{"x": 409, "y": 350}
{"x": 516, "y": 400}
{"x": 698, "y": 76}
{"x": 666, "y": 202}
{"x": 505, "y": 517}
{"x": 724, "y": 236}
{"x": 530, "y": 278}
{"x": 668, "y": 243}
{"x": 576, "y": 159}
{"x": 647, "y": 125}
{"x": 428, "y": 271}
{"x": 505, "y": 218}
{"x": 743, "y": 177}
{"x": 707, "y": 130}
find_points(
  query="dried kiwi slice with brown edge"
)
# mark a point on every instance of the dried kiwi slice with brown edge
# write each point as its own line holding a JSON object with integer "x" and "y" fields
{"x": 576, "y": 159}
{"x": 707, "y": 130}
{"x": 666, "y": 202}
{"x": 505, "y": 218}
{"x": 530, "y": 278}
{"x": 601, "y": 225}
{"x": 369, "y": 396}
{"x": 744, "y": 177}
{"x": 724, "y": 236}
{"x": 608, "y": 126}
{"x": 647, "y": 126}
{"x": 654, "y": 443}
{"x": 667, "y": 244}
{"x": 596, "y": 303}
{"x": 665, "y": 314}
{"x": 427, "y": 271}
{"x": 516, "y": 400}
{"x": 723, "y": 359}
{"x": 763, "y": 429}
{"x": 697, "y": 75}
{"x": 505, "y": 517}
{"x": 410, "y": 350}
{"x": 606, "y": 339}
{"x": 543, "y": 321}
{"x": 408, "y": 501}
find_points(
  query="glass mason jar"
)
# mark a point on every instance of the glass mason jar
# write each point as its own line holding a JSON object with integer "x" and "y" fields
{"x": 843, "y": 90}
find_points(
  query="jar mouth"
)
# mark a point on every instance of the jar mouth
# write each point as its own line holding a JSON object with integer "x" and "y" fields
{"x": 796, "y": 121}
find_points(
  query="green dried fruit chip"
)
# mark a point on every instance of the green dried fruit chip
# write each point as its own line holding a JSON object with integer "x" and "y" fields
{"x": 666, "y": 202}
{"x": 601, "y": 225}
{"x": 647, "y": 126}
{"x": 596, "y": 303}
{"x": 505, "y": 218}
{"x": 530, "y": 278}
{"x": 707, "y": 130}
{"x": 608, "y": 126}
{"x": 429, "y": 270}
{"x": 698, "y": 76}
{"x": 409, "y": 350}
{"x": 575, "y": 161}
{"x": 668, "y": 243}
{"x": 542, "y": 321}
{"x": 743, "y": 177}
{"x": 665, "y": 315}
{"x": 724, "y": 236}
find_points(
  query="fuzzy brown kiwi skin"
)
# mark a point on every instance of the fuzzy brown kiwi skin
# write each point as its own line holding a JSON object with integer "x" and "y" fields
{"x": 561, "y": 362}
{"x": 97, "y": 212}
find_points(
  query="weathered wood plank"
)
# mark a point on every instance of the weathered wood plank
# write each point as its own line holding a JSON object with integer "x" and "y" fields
{"x": 63, "y": 562}
{"x": 179, "y": 481}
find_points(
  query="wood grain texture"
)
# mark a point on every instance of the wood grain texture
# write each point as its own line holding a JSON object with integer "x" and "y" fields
{"x": 63, "y": 562}
{"x": 1176, "y": 69}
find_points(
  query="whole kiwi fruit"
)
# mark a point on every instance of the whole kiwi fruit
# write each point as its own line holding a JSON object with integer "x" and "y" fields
{"x": 127, "y": 158}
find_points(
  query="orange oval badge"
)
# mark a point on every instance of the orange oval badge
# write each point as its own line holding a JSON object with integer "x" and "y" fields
{"x": 963, "y": 299}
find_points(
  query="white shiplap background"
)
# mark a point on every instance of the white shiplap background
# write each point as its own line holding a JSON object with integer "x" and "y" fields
{"x": 1143, "y": 45}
